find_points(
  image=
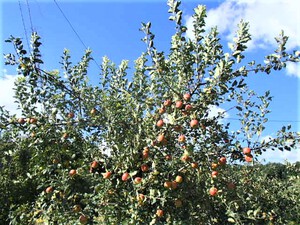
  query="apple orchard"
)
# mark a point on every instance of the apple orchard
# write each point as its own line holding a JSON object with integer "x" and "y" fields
{"x": 143, "y": 149}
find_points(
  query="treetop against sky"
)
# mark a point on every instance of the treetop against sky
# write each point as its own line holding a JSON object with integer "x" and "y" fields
{"x": 112, "y": 29}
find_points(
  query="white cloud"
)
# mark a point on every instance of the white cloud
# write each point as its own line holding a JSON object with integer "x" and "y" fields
{"x": 266, "y": 139}
{"x": 293, "y": 69}
{"x": 266, "y": 17}
{"x": 7, "y": 92}
{"x": 279, "y": 156}
{"x": 214, "y": 111}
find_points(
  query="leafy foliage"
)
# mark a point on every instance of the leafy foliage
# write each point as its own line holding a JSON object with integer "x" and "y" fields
{"x": 143, "y": 149}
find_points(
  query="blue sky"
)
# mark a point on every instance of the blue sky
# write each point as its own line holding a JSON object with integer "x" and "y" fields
{"x": 111, "y": 28}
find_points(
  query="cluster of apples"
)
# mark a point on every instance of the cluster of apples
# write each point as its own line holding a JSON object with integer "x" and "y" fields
{"x": 247, "y": 154}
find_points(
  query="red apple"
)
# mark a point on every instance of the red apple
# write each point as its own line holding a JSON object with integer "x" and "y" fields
{"x": 83, "y": 219}
{"x": 145, "y": 155}
{"x": 168, "y": 184}
{"x": 178, "y": 104}
{"x": 70, "y": 115}
{"x": 246, "y": 150}
{"x": 168, "y": 102}
{"x": 214, "y": 174}
{"x": 161, "y": 138}
{"x": 72, "y": 172}
{"x": 94, "y": 164}
{"x": 159, "y": 213}
{"x": 140, "y": 197}
{"x": 49, "y": 189}
{"x": 194, "y": 165}
{"x": 162, "y": 110}
{"x": 125, "y": 176}
{"x": 194, "y": 123}
{"x": 168, "y": 157}
{"x": 174, "y": 185}
{"x": 214, "y": 165}
{"x": 187, "y": 96}
{"x": 181, "y": 138}
{"x": 248, "y": 158}
{"x": 32, "y": 120}
{"x": 188, "y": 107}
{"x": 65, "y": 136}
{"x": 138, "y": 180}
{"x": 222, "y": 160}
{"x": 21, "y": 121}
{"x": 107, "y": 175}
{"x": 160, "y": 123}
{"x": 144, "y": 167}
{"x": 185, "y": 158}
{"x": 213, "y": 191}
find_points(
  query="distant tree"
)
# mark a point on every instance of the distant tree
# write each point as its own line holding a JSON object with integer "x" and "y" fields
{"x": 142, "y": 148}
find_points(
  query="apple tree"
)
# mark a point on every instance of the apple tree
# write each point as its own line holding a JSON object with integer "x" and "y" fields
{"x": 142, "y": 148}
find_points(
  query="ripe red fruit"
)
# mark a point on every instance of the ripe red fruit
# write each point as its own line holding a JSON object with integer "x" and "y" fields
{"x": 161, "y": 138}
{"x": 140, "y": 197}
{"x": 21, "y": 121}
{"x": 188, "y": 107}
{"x": 146, "y": 149}
{"x": 222, "y": 160}
{"x": 145, "y": 155}
{"x": 70, "y": 115}
{"x": 168, "y": 102}
{"x": 181, "y": 138}
{"x": 65, "y": 136}
{"x": 138, "y": 180}
{"x": 49, "y": 189}
{"x": 248, "y": 158}
{"x": 174, "y": 185}
{"x": 214, "y": 165}
{"x": 214, "y": 174}
{"x": 160, "y": 123}
{"x": 168, "y": 184}
{"x": 162, "y": 110}
{"x": 83, "y": 219}
{"x": 194, "y": 123}
{"x": 178, "y": 104}
{"x": 72, "y": 172}
{"x": 125, "y": 176}
{"x": 32, "y": 120}
{"x": 144, "y": 167}
{"x": 160, "y": 213}
{"x": 107, "y": 175}
{"x": 94, "y": 164}
{"x": 246, "y": 150}
{"x": 185, "y": 158}
{"x": 194, "y": 165}
{"x": 213, "y": 191}
{"x": 168, "y": 157}
{"x": 187, "y": 96}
